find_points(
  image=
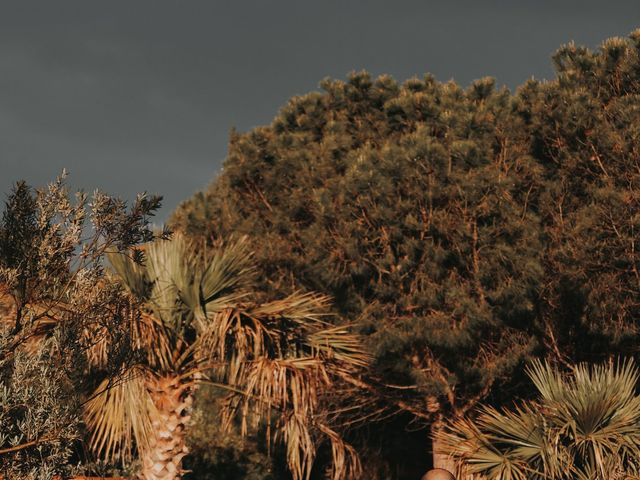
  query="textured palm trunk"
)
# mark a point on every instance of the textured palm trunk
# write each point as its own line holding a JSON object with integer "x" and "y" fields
{"x": 163, "y": 459}
{"x": 441, "y": 458}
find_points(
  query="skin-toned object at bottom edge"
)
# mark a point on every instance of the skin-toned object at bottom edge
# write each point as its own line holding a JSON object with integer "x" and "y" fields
{"x": 438, "y": 474}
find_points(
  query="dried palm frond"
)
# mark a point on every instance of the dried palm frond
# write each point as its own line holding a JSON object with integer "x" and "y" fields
{"x": 268, "y": 374}
{"x": 119, "y": 416}
{"x": 308, "y": 309}
{"x": 346, "y": 463}
{"x": 150, "y": 337}
{"x": 339, "y": 344}
{"x": 292, "y": 387}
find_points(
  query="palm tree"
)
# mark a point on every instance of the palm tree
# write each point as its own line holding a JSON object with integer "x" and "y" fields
{"x": 585, "y": 425}
{"x": 198, "y": 325}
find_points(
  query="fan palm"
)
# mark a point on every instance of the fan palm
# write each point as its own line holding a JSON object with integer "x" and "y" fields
{"x": 585, "y": 425}
{"x": 198, "y": 325}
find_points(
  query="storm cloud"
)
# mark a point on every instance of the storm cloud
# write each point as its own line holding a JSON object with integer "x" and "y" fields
{"x": 141, "y": 95}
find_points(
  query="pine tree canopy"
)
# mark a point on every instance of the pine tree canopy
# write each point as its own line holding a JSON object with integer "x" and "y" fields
{"x": 584, "y": 129}
{"x": 408, "y": 204}
{"x": 461, "y": 230}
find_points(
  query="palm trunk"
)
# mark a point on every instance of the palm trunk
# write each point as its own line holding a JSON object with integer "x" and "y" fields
{"x": 441, "y": 458}
{"x": 162, "y": 460}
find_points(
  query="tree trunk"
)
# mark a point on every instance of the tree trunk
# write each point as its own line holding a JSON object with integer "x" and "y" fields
{"x": 162, "y": 460}
{"x": 441, "y": 458}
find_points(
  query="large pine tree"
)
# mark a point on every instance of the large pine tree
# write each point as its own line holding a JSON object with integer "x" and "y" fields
{"x": 409, "y": 205}
{"x": 461, "y": 230}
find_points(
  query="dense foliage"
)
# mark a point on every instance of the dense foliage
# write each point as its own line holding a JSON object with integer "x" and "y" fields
{"x": 56, "y": 303}
{"x": 584, "y": 129}
{"x": 462, "y": 230}
{"x": 414, "y": 222}
{"x": 218, "y": 453}
{"x": 277, "y": 361}
{"x": 39, "y": 421}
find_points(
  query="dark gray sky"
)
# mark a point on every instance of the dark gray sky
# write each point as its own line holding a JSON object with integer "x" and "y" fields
{"x": 140, "y": 95}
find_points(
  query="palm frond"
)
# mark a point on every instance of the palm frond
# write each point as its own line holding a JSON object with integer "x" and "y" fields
{"x": 225, "y": 275}
{"x": 306, "y": 309}
{"x": 133, "y": 274}
{"x": 151, "y": 338}
{"x": 169, "y": 270}
{"x": 292, "y": 387}
{"x": 346, "y": 463}
{"x": 119, "y": 416}
{"x": 278, "y": 356}
{"x": 181, "y": 285}
{"x": 548, "y": 381}
{"x": 255, "y": 357}
{"x": 339, "y": 344}
{"x": 507, "y": 445}
{"x": 585, "y": 425}
{"x": 307, "y": 313}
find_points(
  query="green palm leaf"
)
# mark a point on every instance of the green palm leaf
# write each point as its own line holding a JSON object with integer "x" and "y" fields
{"x": 133, "y": 274}
{"x": 225, "y": 276}
{"x": 585, "y": 425}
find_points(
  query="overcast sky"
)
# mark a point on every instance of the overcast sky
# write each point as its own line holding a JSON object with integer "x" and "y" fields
{"x": 140, "y": 95}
